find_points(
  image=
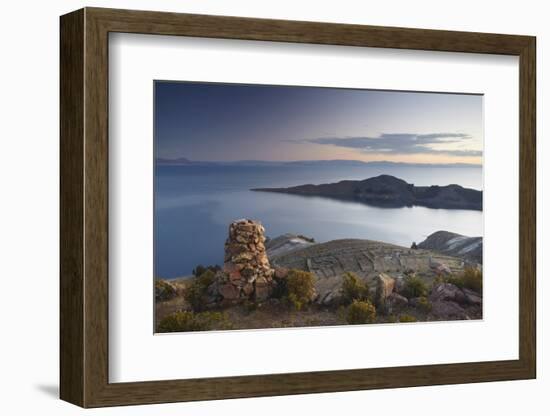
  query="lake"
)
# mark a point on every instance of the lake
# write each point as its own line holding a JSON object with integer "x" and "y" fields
{"x": 194, "y": 205}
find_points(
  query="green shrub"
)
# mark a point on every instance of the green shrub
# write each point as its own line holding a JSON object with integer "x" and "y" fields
{"x": 164, "y": 290}
{"x": 437, "y": 280}
{"x": 414, "y": 287}
{"x": 200, "y": 269}
{"x": 471, "y": 278}
{"x": 300, "y": 286}
{"x": 197, "y": 290}
{"x": 184, "y": 321}
{"x": 361, "y": 312}
{"x": 407, "y": 318}
{"x": 424, "y": 304}
{"x": 353, "y": 288}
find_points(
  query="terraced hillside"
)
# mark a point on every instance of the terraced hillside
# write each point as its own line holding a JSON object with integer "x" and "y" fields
{"x": 367, "y": 258}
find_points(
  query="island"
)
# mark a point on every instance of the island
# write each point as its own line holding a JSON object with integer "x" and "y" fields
{"x": 389, "y": 191}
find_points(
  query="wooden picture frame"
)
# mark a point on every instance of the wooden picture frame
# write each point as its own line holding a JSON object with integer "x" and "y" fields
{"x": 84, "y": 207}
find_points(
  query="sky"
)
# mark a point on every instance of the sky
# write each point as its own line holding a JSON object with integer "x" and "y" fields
{"x": 229, "y": 122}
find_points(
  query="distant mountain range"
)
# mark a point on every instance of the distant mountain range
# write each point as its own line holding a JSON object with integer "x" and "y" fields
{"x": 177, "y": 161}
{"x": 389, "y": 191}
{"x": 182, "y": 161}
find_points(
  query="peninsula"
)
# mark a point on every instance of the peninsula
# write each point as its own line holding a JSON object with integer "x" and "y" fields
{"x": 392, "y": 192}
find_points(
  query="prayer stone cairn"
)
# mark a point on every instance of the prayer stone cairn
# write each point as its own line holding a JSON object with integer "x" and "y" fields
{"x": 247, "y": 274}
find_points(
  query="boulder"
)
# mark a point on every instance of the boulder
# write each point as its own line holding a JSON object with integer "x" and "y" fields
{"x": 471, "y": 297}
{"x": 229, "y": 291}
{"x": 450, "y": 292}
{"x": 328, "y": 298}
{"x": 384, "y": 287}
{"x": 443, "y": 269}
{"x": 395, "y": 302}
{"x": 440, "y": 268}
{"x": 448, "y": 310}
{"x": 399, "y": 284}
{"x": 447, "y": 292}
{"x": 280, "y": 273}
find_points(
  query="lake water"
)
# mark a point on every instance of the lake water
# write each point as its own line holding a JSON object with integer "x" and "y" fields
{"x": 195, "y": 204}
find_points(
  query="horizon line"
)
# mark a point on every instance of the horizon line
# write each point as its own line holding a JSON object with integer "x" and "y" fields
{"x": 180, "y": 158}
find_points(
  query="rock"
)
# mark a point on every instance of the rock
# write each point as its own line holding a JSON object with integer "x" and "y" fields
{"x": 440, "y": 268}
{"x": 229, "y": 291}
{"x": 243, "y": 257}
{"x": 229, "y": 267}
{"x": 448, "y": 309}
{"x": 399, "y": 284}
{"x": 248, "y": 272}
{"x": 262, "y": 289}
{"x": 447, "y": 292}
{"x": 329, "y": 298}
{"x": 443, "y": 269}
{"x": 395, "y": 302}
{"x": 235, "y": 276}
{"x": 280, "y": 273}
{"x": 471, "y": 297}
{"x": 233, "y": 249}
{"x": 384, "y": 287}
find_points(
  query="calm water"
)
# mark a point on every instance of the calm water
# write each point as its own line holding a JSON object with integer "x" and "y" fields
{"x": 195, "y": 204}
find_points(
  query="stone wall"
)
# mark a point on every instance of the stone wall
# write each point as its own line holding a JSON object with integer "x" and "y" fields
{"x": 247, "y": 273}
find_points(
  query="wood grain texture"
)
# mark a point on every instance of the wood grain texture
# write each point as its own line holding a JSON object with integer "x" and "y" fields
{"x": 84, "y": 207}
{"x": 71, "y": 201}
{"x": 527, "y": 208}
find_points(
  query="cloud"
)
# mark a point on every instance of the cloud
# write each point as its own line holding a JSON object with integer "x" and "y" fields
{"x": 404, "y": 143}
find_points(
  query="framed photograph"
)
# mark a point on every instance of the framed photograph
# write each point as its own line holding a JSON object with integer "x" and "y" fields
{"x": 260, "y": 207}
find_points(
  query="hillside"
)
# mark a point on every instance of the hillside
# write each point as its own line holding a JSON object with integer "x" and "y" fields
{"x": 389, "y": 191}
{"x": 452, "y": 244}
{"x": 252, "y": 290}
{"x": 366, "y": 258}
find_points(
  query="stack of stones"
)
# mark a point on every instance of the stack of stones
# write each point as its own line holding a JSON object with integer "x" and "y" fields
{"x": 247, "y": 273}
